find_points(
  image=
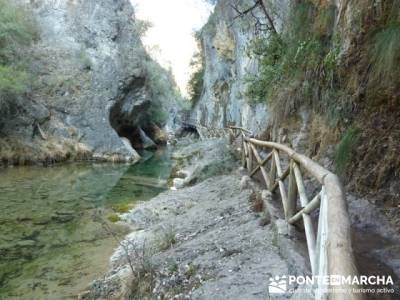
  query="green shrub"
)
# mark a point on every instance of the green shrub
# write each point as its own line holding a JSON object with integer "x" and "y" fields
{"x": 303, "y": 57}
{"x": 12, "y": 81}
{"x": 271, "y": 51}
{"x": 113, "y": 217}
{"x": 17, "y": 32}
{"x": 17, "y": 29}
{"x": 163, "y": 90}
{"x": 196, "y": 80}
{"x": 345, "y": 149}
{"x": 157, "y": 112}
{"x": 121, "y": 207}
{"x": 142, "y": 26}
{"x": 282, "y": 60}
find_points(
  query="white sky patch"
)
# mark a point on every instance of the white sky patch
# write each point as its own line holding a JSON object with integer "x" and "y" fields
{"x": 171, "y": 37}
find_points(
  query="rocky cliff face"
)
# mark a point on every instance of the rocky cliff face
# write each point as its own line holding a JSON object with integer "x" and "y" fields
{"x": 91, "y": 83}
{"x": 335, "y": 96}
{"x": 224, "y": 42}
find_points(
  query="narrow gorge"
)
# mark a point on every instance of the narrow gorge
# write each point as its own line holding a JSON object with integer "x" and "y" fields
{"x": 276, "y": 166}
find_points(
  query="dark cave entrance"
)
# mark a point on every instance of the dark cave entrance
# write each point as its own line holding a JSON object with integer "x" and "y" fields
{"x": 124, "y": 126}
{"x": 146, "y": 136}
{"x": 132, "y": 134}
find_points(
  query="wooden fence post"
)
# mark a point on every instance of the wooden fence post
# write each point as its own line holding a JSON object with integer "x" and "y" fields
{"x": 280, "y": 180}
{"x": 243, "y": 153}
{"x": 321, "y": 251}
{"x": 292, "y": 194}
{"x": 250, "y": 163}
{"x": 308, "y": 225}
{"x": 272, "y": 175}
{"x": 260, "y": 165}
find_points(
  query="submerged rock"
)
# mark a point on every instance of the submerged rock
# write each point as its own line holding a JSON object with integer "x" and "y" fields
{"x": 146, "y": 141}
{"x": 26, "y": 243}
{"x": 63, "y": 218}
{"x": 42, "y": 221}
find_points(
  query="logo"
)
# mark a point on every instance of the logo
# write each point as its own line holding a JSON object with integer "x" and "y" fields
{"x": 324, "y": 284}
{"x": 277, "y": 285}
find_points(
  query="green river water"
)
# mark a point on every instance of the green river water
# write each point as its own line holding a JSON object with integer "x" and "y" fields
{"x": 51, "y": 245}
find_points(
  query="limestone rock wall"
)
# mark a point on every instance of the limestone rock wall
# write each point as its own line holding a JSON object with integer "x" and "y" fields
{"x": 352, "y": 86}
{"x": 91, "y": 77}
{"x": 224, "y": 43}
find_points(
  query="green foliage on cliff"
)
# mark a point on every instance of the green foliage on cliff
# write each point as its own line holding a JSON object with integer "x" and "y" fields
{"x": 196, "y": 81}
{"x": 163, "y": 90}
{"x": 17, "y": 32}
{"x": 142, "y": 26}
{"x": 12, "y": 81}
{"x": 304, "y": 60}
{"x": 159, "y": 89}
{"x": 385, "y": 52}
{"x": 343, "y": 65}
{"x": 345, "y": 149}
{"x": 297, "y": 55}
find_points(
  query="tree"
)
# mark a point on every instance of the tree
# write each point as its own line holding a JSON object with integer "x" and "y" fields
{"x": 195, "y": 84}
{"x": 17, "y": 32}
{"x": 257, "y": 5}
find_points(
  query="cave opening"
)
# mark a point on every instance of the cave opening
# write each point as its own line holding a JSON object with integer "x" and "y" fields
{"x": 132, "y": 134}
{"x": 124, "y": 128}
{"x": 140, "y": 137}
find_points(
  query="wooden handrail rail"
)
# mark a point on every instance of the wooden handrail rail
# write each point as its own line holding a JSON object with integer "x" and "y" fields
{"x": 330, "y": 251}
{"x": 241, "y": 128}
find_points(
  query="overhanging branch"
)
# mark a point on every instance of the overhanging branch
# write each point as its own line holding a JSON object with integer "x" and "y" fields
{"x": 257, "y": 4}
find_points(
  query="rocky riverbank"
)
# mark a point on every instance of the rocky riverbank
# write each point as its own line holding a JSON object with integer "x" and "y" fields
{"x": 217, "y": 235}
{"x": 211, "y": 240}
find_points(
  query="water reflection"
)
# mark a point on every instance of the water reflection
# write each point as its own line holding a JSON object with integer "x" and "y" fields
{"x": 50, "y": 246}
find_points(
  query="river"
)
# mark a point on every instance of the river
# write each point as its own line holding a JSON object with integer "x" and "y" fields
{"x": 53, "y": 242}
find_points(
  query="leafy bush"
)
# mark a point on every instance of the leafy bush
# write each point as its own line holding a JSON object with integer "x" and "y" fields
{"x": 17, "y": 32}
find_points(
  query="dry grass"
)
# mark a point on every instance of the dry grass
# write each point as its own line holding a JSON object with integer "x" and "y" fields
{"x": 321, "y": 136}
{"x": 257, "y": 205}
{"x": 15, "y": 152}
{"x": 167, "y": 239}
{"x": 378, "y": 162}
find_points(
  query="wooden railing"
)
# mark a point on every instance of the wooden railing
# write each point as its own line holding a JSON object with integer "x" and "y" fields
{"x": 329, "y": 248}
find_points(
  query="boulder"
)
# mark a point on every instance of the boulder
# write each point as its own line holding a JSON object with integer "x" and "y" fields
{"x": 147, "y": 142}
{"x": 158, "y": 135}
